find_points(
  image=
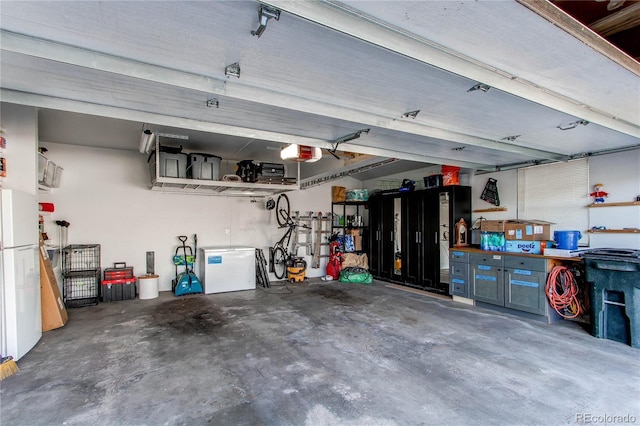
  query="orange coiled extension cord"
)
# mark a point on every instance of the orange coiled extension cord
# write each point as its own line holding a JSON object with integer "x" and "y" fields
{"x": 562, "y": 292}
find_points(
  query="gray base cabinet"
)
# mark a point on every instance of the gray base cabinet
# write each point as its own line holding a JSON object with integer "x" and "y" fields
{"x": 509, "y": 281}
{"x": 459, "y": 274}
{"x": 487, "y": 280}
{"x": 525, "y": 281}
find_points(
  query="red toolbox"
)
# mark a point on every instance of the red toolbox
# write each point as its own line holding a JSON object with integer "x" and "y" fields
{"x": 120, "y": 271}
{"x": 119, "y": 283}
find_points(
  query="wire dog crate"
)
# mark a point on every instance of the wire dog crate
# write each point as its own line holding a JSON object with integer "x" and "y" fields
{"x": 81, "y": 275}
{"x": 81, "y": 257}
{"x": 81, "y": 289}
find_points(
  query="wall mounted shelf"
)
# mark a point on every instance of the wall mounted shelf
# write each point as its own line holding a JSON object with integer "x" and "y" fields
{"x": 623, "y": 204}
{"x": 614, "y": 231}
{"x": 491, "y": 210}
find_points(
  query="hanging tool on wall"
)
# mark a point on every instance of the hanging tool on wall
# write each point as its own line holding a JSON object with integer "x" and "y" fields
{"x": 490, "y": 192}
{"x": 63, "y": 230}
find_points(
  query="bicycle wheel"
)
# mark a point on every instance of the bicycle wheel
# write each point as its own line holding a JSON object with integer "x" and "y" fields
{"x": 283, "y": 210}
{"x": 279, "y": 262}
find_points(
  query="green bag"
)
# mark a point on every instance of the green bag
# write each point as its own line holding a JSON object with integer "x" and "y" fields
{"x": 355, "y": 275}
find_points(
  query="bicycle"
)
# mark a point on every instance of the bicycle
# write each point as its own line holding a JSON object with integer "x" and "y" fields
{"x": 280, "y": 256}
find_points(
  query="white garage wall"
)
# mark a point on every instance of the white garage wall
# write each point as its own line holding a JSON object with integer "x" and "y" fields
{"x": 507, "y": 183}
{"x": 620, "y": 175}
{"x": 105, "y": 196}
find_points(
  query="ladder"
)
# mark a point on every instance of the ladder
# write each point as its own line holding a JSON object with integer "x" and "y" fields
{"x": 303, "y": 229}
{"x": 322, "y": 227}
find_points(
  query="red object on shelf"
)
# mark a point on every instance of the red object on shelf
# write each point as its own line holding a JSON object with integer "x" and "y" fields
{"x": 450, "y": 175}
{"x": 46, "y": 207}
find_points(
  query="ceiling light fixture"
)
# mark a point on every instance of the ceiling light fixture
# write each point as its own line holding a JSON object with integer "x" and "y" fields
{"x": 147, "y": 139}
{"x": 301, "y": 153}
{"x": 573, "y": 125}
{"x": 264, "y": 14}
{"x": 480, "y": 86}
{"x": 233, "y": 70}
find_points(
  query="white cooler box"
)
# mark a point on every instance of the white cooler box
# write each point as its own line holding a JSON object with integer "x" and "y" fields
{"x": 225, "y": 269}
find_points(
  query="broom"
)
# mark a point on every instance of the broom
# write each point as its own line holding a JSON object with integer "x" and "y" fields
{"x": 8, "y": 367}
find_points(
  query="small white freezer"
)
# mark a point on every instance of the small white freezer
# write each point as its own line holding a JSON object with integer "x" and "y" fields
{"x": 225, "y": 269}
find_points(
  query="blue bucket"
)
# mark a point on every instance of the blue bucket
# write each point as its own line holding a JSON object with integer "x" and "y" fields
{"x": 567, "y": 240}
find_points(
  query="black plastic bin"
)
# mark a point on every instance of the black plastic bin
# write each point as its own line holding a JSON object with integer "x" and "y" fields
{"x": 614, "y": 278}
{"x": 116, "y": 290}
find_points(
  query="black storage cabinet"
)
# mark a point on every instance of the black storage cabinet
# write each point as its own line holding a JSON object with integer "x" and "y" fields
{"x": 614, "y": 279}
{"x": 419, "y": 228}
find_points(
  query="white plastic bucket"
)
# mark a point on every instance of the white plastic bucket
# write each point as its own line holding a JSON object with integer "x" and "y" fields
{"x": 148, "y": 286}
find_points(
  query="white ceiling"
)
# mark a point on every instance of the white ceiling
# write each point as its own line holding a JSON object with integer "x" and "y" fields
{"x": 100, "y": 70}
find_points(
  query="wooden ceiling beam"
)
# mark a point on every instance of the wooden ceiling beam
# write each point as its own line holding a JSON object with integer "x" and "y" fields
{"x": 622, "y": 20}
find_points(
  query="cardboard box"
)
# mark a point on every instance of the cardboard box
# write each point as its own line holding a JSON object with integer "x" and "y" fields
{"x": 357, "y": 242}
{"x": 54, "y": 313}
{"x": 357, "y": 239}
{"x": 492, "y": 225}
{"x": 338, "y": 194}
{"x": 528, "y": 247}
{"x": 527, "y": 230}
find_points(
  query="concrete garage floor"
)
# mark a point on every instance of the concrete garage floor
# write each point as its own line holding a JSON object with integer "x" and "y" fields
{"x": 325, "y": 354}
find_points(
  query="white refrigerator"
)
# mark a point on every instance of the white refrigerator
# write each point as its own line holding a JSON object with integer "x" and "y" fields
{"x": 21, "y": 321}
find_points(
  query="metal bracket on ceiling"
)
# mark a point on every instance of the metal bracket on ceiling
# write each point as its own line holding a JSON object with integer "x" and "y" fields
{"x": 411, "y": 114}
{"x": 573, "y": 125}
{"x": 264, "y": 14}
{"x": 232, "y": 70}
{"x": 351, "y": 136}
{"x": 480, "y": 86}
{"x": 213, "y": 103}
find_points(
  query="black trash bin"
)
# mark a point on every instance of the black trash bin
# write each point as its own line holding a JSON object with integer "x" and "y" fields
{"x": 614, "y": 278}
